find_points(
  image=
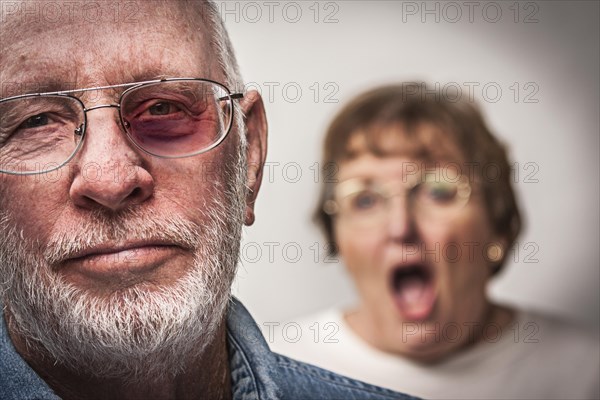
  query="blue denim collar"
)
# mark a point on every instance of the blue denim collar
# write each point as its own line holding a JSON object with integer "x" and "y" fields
{"x": 17, "y": 379}
{"x": 249, "y": 357}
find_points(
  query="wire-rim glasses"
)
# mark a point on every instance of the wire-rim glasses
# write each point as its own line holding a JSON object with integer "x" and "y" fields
{"x": 166, "y": 118}
{"x": 434, "y": 194}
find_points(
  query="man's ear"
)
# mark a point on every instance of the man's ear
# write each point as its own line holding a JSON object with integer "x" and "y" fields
{"x": 256, "y": 135}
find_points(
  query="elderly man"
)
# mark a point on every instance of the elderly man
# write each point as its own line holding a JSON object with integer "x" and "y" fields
{"x": 127, "y": 169}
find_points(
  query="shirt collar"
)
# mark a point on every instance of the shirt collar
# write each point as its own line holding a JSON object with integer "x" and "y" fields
{"x": 250, "y": 358}
{"x": 17, "y": 379}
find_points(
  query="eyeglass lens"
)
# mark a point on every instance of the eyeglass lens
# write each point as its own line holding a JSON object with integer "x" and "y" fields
{"x": 369, "y": 204}
{"x": 39, "y": 132}
{"x": 176, "y": 119}
{"x": 165, "y": 119}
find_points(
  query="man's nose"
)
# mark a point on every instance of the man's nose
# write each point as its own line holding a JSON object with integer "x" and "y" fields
{"x": 109, "y": 171}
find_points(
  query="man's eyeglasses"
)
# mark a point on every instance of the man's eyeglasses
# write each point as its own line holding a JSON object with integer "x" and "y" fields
{"x": 433, "y": 195}
{"x": 168, "y": 118}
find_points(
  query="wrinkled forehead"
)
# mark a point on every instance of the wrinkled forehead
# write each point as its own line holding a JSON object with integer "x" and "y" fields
{"x": 50, "y": 45}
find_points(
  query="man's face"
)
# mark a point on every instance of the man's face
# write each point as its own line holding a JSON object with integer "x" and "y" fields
{"x": 118, "y": 247}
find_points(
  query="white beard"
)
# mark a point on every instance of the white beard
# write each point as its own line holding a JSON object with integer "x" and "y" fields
{"x": 136, "y": 333}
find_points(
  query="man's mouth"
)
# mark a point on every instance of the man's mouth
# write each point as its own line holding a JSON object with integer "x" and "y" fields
{"x": 413, "y": 291}
{"x": 108, "y": 260}
{"x": 112, "y": 248}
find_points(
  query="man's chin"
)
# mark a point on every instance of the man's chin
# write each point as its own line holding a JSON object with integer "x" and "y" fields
{"x": 125, "y": 333}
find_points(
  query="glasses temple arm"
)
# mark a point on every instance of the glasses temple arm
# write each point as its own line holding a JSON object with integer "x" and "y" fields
{"x": 233, "y": 96}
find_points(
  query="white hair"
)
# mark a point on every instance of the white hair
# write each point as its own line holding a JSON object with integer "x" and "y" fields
{"x": 208, "y": 11}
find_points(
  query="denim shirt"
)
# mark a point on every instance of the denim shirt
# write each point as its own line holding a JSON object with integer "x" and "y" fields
{"x": 256, "y": 372}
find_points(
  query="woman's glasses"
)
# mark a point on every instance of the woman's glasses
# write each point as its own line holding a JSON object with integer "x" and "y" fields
{"x": 366, "y": 203}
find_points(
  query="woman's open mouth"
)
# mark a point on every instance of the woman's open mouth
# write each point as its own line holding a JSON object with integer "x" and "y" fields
{"x": 413, "y": 291}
